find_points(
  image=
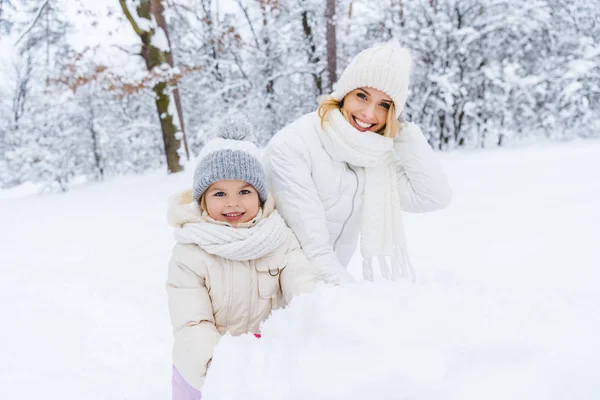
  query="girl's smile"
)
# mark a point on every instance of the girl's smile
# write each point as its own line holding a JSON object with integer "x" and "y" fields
{"x": 232, "y": 201}
{"x": 234, "y": 217}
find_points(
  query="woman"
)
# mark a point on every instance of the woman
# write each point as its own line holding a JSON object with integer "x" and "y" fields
{"x": 351, "y": 168}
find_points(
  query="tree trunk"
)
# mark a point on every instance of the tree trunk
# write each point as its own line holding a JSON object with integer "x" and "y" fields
{"x": 313, "y": 58}
{"x": 21, "y": 92}
{"x": 266, "y": 7}
{"x": 155, "y": 57}
{"x": 158, "y": 12}
{"x": 400, "y": 10}
{"x": 331, "y": 44}
{"x": 98, "y": 159}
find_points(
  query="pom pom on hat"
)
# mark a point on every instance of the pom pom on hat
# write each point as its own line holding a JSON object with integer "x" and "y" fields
{"x": 230, "y": 155}
{"x": 234, "y": 128}
{"x": 384, "y": 67}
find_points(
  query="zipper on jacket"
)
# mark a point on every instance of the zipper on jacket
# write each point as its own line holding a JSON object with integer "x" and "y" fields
{"x": 230, "y": 305}
{"x": 351, "y": 209}
{"x": 254, "y": 273}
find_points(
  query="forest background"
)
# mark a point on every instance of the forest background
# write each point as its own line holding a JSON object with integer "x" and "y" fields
{"x": 90, "y": 90}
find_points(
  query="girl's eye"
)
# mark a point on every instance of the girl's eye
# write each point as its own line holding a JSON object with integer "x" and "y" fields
{"x": 385, "y": 105}
{"x": 361, "y": 95}
{"x": 245, "y": 191}
{"x": 220, "y": 194}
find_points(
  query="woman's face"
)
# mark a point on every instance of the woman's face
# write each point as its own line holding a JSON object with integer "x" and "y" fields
{"x": 366, "y": 109}
{"x": 232, "y": 201}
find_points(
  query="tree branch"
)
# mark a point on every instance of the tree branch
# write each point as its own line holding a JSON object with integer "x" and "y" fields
{"x": 125, "y": 50}
{"x": 249, "y": 23}
{"x": 30, "y": 27}
{"x": 128, "y": 15}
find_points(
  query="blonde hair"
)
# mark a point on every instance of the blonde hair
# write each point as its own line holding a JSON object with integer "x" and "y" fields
{"x": 328, "y": 103}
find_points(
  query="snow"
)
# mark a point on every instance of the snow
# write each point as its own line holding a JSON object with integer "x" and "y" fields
{"x": 159, "y": 40}
{"x": 578, "y": 69}
{"x": 572, "y": 88}
{"x": 505, "y": 307}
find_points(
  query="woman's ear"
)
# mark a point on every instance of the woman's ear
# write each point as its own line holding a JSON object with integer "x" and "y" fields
{"x": 203, "y": 203}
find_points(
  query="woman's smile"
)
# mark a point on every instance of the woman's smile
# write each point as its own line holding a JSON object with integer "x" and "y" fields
{"x": 361, "y": 125}
{"x": 366, "y": 109}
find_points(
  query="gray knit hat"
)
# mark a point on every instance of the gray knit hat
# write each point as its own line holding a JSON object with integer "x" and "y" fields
{"x": 231, "y": 155}
{"x": 384, "y": 67}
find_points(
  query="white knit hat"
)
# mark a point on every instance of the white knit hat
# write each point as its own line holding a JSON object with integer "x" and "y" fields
{"x": 383, "y": 67}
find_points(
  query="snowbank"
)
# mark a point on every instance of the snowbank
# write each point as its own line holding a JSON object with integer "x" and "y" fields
{"x": 506, "y": 306}
{"x": 426, "y": 341}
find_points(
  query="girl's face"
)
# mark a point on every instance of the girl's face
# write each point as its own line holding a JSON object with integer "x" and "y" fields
{"x": 232, "y": 201}
{"x": 366, "y": 109}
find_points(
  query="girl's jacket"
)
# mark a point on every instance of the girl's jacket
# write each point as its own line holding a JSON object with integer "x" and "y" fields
{"x": 210, "y": 295}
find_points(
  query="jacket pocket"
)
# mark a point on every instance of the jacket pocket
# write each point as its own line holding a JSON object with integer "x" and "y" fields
{"x": 268, "y": 278}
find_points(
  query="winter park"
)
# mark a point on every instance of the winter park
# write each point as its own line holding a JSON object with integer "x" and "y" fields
{"x": 267, "y": 199}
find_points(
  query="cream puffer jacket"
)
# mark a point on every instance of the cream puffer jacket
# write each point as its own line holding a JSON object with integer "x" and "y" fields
{"x": 210, "y": 295}
{"x": 321, "y": 199}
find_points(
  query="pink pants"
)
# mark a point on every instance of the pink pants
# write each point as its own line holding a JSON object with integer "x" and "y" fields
{"x": 181, "y": 389}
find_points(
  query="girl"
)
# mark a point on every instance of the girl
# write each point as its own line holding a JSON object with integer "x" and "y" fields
{"x": 235, "y": 259}
{"x": 352, "y": 168}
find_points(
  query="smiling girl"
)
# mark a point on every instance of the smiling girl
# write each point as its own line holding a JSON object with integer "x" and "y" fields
{"x": 235, "y": 259}
{"x": 352, "y": 168}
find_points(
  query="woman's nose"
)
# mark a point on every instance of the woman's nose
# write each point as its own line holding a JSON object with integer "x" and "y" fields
{"x": 368, "y": 111}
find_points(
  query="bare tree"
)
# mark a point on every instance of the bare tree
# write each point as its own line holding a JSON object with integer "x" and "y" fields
{"x": 38, "y": 15}
{"x": 331, "y": 43}
{"x": 22, "y": 87}
{"x": 155, "y": 57}
{"x": 313, "y": 57}
{"x": 266, "y": 8}
{"x": 1, "y": 10}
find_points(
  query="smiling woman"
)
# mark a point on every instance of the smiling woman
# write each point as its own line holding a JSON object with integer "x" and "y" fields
{"x": 367, "y": 109}
{"x": 356, "y": 154}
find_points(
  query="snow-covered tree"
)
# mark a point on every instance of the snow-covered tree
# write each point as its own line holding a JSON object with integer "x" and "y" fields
{"x": 41, "y": 147}
{"x": 486, "y": 73}
{"x": 147, "y": 20}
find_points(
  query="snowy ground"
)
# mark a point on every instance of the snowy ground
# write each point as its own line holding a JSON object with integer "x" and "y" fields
{"x": 506, "y": 306}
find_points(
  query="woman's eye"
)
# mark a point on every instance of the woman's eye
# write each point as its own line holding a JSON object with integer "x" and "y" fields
{"x": 385, "y": 105}
{"x": 245, "y": 191}
{"x": 220, "y": 194}
{"x": 361, "y": 95}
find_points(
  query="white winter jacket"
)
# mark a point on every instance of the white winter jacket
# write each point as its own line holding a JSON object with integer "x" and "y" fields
{"x": 210, "y": 295}
{"x": 321, "y": 199}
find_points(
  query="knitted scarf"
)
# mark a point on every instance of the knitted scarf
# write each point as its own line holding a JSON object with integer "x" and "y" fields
{"x": 382, "y": 228}
{"x": 239, "y": 244}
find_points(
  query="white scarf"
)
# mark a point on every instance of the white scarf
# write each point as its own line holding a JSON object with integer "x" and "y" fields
{"x": 382, "y": 228}
{"x": 239, "y": 244}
